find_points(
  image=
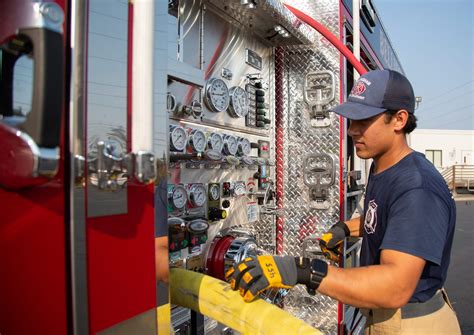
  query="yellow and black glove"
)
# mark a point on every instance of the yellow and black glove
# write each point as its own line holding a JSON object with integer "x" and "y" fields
{"x": 254, "y": 275}
{"x": 332, "y": 242}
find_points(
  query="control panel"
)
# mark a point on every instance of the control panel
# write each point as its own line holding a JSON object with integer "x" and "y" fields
{"x": 221, "y": 166}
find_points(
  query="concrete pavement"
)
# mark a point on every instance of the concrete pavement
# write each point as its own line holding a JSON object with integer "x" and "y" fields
{"x": 460, "y": 282}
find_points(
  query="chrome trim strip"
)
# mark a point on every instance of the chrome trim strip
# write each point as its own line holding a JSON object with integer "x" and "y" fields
{"x": 80, "y": 317}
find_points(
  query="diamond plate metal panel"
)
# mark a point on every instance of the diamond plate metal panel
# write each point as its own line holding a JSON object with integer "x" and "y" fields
{"x": 262, "y": 18}
{"x": 296, "y": 139}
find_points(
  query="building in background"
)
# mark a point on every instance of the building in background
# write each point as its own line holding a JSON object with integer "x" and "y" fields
{"x": 443, "y": 147}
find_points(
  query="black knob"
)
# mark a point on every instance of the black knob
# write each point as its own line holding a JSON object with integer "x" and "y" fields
{"x": 260, "y": 93}
{"x": 261, "y": 118}
{"x": 260, "y": 124}
{"x": 258, "y": 84}
{"x": 216, "y": 214}
{"x": 257, "y": 175}
{"x": 226, "y": 203}
{"x": 260, "y": 99}
{"x": 267, "y": 121}
{"x": 261, "y": 111}
{"x": 261, "y": 105}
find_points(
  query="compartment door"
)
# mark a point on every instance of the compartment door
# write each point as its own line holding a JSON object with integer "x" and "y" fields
{"x": 33, "y": 228}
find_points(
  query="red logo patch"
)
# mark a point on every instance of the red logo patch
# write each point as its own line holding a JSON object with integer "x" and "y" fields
{"x": 358, "y": 89}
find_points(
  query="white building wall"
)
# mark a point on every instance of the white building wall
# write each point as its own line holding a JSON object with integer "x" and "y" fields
{"x": 457, "y": 146}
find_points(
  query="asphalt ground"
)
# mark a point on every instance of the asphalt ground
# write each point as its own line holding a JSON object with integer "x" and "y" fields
{"x": 460, "y": 281}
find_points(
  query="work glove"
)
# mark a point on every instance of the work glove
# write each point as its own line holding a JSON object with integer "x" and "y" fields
{"x": 332, "y": 242}
{"x": 254, "y": 275}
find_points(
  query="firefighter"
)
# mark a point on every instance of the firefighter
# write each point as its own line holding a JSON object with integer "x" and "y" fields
{"x": 407, "y": 226}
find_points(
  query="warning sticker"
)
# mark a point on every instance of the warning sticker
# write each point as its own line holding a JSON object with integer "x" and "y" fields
{"x": 252, "y": 211}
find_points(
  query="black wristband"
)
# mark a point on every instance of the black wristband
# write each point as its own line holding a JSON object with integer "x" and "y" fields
{"x": 303, "y": 270}
{"x": 345, "y": 227}
{"x": 310, "y": 272}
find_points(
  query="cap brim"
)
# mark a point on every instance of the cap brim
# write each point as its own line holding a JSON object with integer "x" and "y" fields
{"x": 356, "y": 111}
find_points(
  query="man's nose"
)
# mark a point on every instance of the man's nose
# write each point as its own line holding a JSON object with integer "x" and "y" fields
{"x": 353, "y": 129}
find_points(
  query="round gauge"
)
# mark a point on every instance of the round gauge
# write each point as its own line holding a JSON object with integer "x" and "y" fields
{"x": 230, "y": 145}
{"x": 217, "y": 95}
{"x": 198, "y": 226}
{"x": 178, "y": 138}
{"x": 178, "y": 197}
{"x": 244, "y": 147}
{"x": 239, "y": 102}
{"x": 214, "y": 192}
{"x": 215, "y": 142}
{"x": 197, "y": 141}
{"x": 197, "y": 195}
{"x": 239, "y": 189}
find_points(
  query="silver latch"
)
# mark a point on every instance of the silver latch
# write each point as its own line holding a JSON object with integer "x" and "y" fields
{"x": 318, "y": 175}
{"x": 110, "y": 169}
{"x": 319, "y": 91}
{"x": 145, "y": 168}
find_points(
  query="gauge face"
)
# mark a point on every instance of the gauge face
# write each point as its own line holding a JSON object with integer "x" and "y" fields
{"x": 214, "y": 192}
{"x": 217, "y": 95}
{"x": 197, "y": 141}
{"x": 244, "y": 147}
{"x": 197, "y": 195}
{"x": 239, "y": 102}
{"x": 178, "y": 138}
{"x": 178, "y": 197}
{"x": 239, "y": 188}
{"x": 230, "y": 145}
{"x": 216, "y": 142}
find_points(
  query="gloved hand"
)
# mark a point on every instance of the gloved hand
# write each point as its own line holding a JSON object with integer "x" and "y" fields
{"x": 254, "y": 275}
{"x": 332, "y": 242}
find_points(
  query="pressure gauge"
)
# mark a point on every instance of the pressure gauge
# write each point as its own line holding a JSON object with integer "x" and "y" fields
{"x": 197, "y": 141}
{"x": 215, "y": 142}
{"x": 178, "y": 138}
{"x": 217, "y": 95}
{"x": 239, "y": 188}
{"x": 197, "y": 195}
{"x": 177, "y": 197}
{"x": 230, "y": 145}
{"x": 239, "y": 102}
{"x": 214, "y": 192}
{"x": 244, "y": 147}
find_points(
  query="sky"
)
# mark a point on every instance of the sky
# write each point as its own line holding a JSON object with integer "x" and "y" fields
{"x": 434, "y": 40}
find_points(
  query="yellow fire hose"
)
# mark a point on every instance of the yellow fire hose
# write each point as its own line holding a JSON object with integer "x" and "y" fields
{"x": 215, "y": 299}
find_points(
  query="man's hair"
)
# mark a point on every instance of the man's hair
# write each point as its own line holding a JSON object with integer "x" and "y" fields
{"x": 411, "y": 121}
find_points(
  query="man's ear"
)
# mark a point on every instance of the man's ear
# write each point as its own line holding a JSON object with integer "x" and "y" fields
{"x": 400, "y": 119}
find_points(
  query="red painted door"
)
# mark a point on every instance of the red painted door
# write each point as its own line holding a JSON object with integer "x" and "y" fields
{"x": 119, "y": 222}
{"x": 33, "y": 230}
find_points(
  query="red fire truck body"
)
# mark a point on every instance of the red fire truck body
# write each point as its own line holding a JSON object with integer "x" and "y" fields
{"x": 202, "y": 124}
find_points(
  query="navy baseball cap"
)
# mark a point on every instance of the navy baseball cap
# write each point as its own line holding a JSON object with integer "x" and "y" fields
{"x": 376, "y": 92}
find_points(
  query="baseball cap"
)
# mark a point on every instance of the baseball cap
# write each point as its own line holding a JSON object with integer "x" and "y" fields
{"x": 376, "y": 92}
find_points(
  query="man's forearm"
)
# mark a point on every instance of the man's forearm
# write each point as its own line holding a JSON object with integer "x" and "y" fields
{"x": 364, "y": 287}
{"x": 387, "y": 285}
{"x": 354, "y": 226}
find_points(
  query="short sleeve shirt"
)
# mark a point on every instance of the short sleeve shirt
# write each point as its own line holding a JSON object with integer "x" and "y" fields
{"x": 161, "y": 212}
{"x": 408, "y": 208}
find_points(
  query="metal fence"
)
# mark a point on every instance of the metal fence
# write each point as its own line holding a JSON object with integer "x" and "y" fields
{"x": 460, "y": 178}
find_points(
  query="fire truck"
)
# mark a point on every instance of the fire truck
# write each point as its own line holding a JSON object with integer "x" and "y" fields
{"x": 137, "y": 136}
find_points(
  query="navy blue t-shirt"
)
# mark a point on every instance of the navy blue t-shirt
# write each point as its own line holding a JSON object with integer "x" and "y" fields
{"x": 408, "y": 208}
